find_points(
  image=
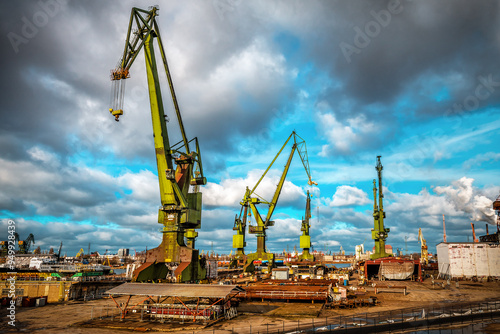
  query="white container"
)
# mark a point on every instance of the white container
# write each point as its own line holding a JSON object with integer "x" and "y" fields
{"x": 468, "y": 259}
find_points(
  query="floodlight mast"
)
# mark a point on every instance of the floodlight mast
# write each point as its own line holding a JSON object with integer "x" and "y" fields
{"x": 180, "y": 211}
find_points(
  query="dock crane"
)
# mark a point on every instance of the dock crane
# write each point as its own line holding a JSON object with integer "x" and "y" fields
{"x": 424, "y": 255}
{"x": 180, "y": 211}
{"x": 251, "y": 200}
{"x": 379, "y": 232}
{"x": 24, "y": 245}
{"x": 80, "y": 253}
{"x": 59, "y": 252}
{"x": 305, "y": 238}
{"x": 240, "y": 225}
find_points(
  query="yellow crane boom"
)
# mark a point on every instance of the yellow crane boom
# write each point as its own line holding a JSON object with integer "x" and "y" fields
{"x": 424, "y": 255}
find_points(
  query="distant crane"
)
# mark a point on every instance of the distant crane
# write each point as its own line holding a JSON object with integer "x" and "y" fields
{"x": 240, "y": 225}
{"x": 424, "y": 255}
{"x": 251, "y": 199}
{"x": 80, "y": 253}
{"x": 59, "y": 252}
{"x": 379, "y": 232}
{"x": 24, "y": 245}
{"x": 305, "y": 238}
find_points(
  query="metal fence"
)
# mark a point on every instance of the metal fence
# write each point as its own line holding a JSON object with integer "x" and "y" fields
{"x": 402, "y": 319}
{"x": 395, "y": 320}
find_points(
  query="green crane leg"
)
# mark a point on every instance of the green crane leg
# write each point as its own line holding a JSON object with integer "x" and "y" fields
{"x": 183, "y": 261}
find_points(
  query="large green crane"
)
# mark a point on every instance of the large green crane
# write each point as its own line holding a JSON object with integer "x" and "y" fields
{"x": 305, "y": 238}
{"x": 251, "y": 200}
{"x": 379, "y": 232}
{"x": 179, "y": 169}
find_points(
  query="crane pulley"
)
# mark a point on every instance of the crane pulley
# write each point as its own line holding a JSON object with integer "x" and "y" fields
{"x": 179, "y": 168}
{"x": 251, "y": 200}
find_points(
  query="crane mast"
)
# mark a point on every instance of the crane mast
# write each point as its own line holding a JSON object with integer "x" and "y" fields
{"x": 251, "y": 200}
{"x": 305, "y": 238}
{"x": 379, "y": 232}
{"x": 178, "y": 167}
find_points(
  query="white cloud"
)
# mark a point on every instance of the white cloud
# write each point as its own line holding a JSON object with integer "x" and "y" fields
{"x": 479, "y": 159}
{"x": 144, "y": 185}
{"x": 347, "y": 195}
{"x": 229, "y": 192}
{"x": 467, "y": 199}
{"x": 345, "y": 136}
{"x": 44, "y": 156}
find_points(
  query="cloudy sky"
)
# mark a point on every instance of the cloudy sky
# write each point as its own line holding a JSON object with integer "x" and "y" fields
{"x": 416, "y": 82}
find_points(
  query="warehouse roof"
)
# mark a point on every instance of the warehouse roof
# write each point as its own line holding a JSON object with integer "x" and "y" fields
{"x": 175, "y": 290}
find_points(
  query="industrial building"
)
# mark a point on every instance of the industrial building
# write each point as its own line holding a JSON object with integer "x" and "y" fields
{"x": 468, "y": 259}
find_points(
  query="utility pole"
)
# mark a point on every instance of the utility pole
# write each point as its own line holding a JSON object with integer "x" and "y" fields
{"x": 444, "y": 231}
{"x": 406, "y": 245}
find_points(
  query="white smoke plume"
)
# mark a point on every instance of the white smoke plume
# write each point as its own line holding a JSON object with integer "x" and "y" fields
{"x": 467, "y": 198}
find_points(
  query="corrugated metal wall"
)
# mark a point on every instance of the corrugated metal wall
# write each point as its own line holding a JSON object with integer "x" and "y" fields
{"x": 468, "y": 259}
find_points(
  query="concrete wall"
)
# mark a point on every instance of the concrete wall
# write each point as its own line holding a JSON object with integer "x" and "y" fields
{"x": 55, "y": 291}
{"x": 60, "y": 290}
{"x": 468, "y": 259}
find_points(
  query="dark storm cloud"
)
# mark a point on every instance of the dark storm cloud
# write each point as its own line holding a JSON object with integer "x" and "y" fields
{"x": 41, "y": 83}
{"x": 77, "y": 46}
{"x": 417, "y": 38}
{"x": 234, "y": 72}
